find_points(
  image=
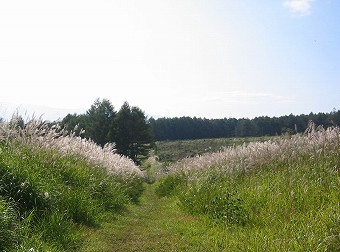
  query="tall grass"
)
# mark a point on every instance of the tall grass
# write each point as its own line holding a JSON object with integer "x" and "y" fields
{"x": 280, "y": 195}
{"x": 52, "y": 183}
{"x": 39, "y": 134}
{"x": 8, "y": 224}
{"x": 314, "y": 143}
{"x": 172, "y": 151}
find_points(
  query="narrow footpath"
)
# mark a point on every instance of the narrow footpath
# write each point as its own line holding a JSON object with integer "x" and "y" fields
{"x": 153, "y": 225}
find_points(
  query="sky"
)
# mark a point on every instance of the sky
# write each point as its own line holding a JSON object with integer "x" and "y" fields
{"x": 171, "y": 58}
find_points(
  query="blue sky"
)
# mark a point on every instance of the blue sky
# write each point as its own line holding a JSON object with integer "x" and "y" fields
{"x": 210, "y": 59}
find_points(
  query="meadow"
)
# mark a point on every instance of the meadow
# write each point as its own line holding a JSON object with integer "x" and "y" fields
{"x": 172, "y": 151}
{"x": 59, "y": 192}
{"x": 277, "y": 195}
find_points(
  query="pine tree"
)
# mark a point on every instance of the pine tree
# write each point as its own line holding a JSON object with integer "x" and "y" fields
{"x": 100, "y": 125}
{"x": 134, "y": 134}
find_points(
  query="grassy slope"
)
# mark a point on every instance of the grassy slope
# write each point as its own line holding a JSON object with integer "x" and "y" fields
{"x": 288, "y": 208}
{"x": 46, "y": 198}
{"x": 54, "y": 186}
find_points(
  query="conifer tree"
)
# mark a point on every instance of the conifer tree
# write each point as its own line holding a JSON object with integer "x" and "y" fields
{"x": 134, "y": 134}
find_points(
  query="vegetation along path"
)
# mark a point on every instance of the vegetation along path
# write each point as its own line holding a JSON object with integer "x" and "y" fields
{"x": 156, "y": 224}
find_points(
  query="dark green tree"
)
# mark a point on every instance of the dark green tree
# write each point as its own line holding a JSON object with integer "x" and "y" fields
{"x": 100, "y": 122}
{"x": 245, "y": 128}
{"x": 134, "y": 136}
{"x": 70, "y": 122}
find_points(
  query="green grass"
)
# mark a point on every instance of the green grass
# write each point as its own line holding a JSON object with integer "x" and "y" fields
{"x": 47, "y": 197}
{"x": 172, "y": 151}
{"x": 9, "y": 226}
{"x": 282, "y": 197}
{"x": 156, "y": 224}
{"x": 278, "y": 207}
{"x": 279, "y": 196}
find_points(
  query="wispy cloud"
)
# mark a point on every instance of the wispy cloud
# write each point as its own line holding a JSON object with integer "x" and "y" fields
{"x": 299, "y": 7}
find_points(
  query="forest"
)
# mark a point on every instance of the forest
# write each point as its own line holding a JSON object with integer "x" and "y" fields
{"x": 181, "y": 128}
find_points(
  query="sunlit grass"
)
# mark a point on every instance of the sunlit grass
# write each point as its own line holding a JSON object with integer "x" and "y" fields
{"x": 52, "y": 184}
{"x": 272, "y": 196}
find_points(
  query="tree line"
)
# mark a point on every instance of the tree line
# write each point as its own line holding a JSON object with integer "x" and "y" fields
{"x": 180, "y": 128}
{"x": 134, "y": 134}
{"x": 128, "y": 128}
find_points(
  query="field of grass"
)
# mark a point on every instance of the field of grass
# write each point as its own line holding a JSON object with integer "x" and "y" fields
{"x": 172, "y": 151}
{"x": 62, "y": 193}
{"x": 281, "y": 195}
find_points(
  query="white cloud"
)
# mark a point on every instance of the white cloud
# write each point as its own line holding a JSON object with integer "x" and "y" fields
{"x": 299, "y": 7}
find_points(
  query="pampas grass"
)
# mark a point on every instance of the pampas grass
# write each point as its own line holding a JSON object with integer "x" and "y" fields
{"x": 38, "y": 134}
{"x": 54, "y": 184}
{"x": 278, "y": 195}
{"x": 313, "y": 143}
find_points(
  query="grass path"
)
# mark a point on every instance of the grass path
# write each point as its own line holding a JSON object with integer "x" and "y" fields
{"x": 153, "y": 225}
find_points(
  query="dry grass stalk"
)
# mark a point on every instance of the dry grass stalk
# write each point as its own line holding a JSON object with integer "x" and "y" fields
{"x": 38, "y": 134}
{"x": 313, "y": 143}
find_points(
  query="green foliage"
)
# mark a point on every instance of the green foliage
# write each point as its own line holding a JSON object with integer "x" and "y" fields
{"x": 201, "y": 128}
{"x": 134, "y": 136}
{"x": 152, "y": 167}
{"x": 100, "y": 124}
{"x": 108, "y": 194}
{"x": 129, "y": 129}
{"x": 18, "y": 186}
{"x": 134, "y": 188}
{"x": 58, "y": 230}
